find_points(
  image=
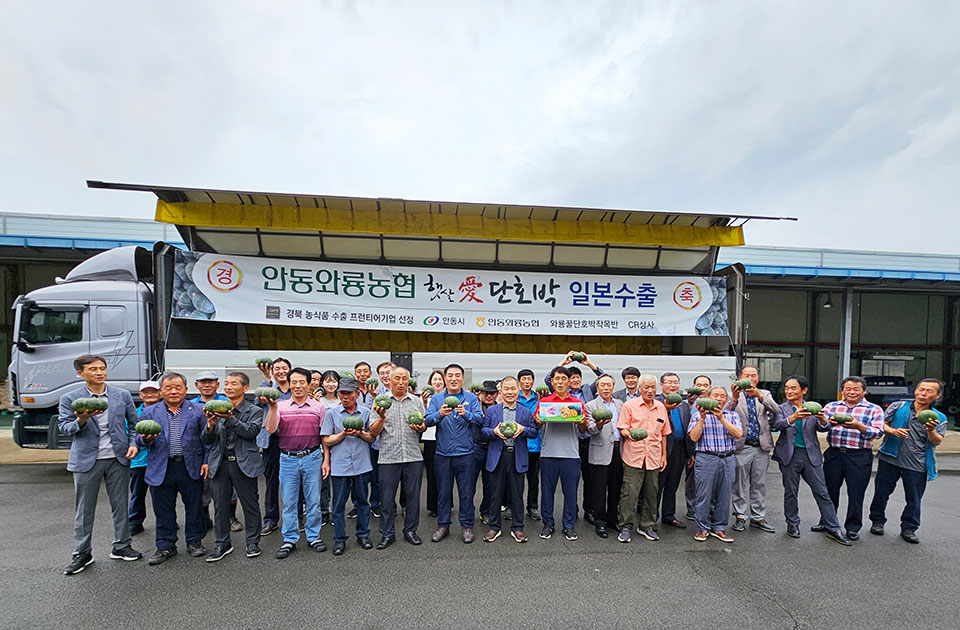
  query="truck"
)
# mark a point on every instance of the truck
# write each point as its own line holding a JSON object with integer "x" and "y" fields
{"x": 120, "y": 304}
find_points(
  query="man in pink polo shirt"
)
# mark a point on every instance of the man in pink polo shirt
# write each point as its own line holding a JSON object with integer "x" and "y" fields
{"x": 304, "y": 461}
{"x": 643, "y": 459}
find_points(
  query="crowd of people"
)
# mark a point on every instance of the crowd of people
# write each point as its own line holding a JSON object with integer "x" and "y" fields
{"x": 323, "y": 439}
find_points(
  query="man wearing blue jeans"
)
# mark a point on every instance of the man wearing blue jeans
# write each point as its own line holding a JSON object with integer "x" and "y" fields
{"x": 349, "y": 464}
{"x": 560, "y": 458}
{"x": 303, "y": 460}
{"x": 455, "y": 452}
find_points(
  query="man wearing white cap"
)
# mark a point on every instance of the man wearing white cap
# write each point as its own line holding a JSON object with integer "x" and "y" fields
{"x": 208, "y": 383}
{"x": 137, "y": 512}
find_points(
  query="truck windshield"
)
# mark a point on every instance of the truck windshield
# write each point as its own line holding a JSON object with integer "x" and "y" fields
{"x": 41, "y": 326}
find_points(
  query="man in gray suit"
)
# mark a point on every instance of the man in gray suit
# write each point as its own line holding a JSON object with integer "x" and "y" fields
{"x": 103, "y": 445}
{"x": 798, "y": 453}
{"x": 235, "y": 464}
{"x": 604, "y": 463}
{"x": 631, "y": 381}
{"x": 758, "y": 412}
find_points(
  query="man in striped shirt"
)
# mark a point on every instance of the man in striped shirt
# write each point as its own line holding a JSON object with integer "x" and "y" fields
{"x": 715, "y": 434}
{"x": 849, "y": 457}
{"x": 304, "y": 461}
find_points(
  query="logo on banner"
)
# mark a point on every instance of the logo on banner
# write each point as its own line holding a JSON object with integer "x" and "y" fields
{"x": 223, "y": 275}
{"x": 687, "y": 295}
{"x": 433, "y": 320}
{"x": 481, "y": 322}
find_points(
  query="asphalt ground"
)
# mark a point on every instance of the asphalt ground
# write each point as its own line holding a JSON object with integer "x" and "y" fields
{"x": 761, "y": 580}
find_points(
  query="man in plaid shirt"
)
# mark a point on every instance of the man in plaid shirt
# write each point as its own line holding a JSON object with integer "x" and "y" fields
{"x": 715, "y": 434}
{"x": 848, "y": 457}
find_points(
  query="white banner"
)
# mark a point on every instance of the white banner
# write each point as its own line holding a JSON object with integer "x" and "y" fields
{"x": 343, "y": 295}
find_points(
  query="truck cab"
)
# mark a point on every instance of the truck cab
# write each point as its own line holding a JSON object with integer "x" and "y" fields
{"x": 101, "y": 307}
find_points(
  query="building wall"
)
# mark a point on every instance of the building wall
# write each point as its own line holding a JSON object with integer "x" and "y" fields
{"x": 794, "y": 321}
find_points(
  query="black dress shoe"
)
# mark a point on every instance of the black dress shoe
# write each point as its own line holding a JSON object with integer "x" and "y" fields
{"x": 386, "y": 541}
{"x": 588, "y": 517}
{"x": 675, "y": 523}
{"x": 339, "y": 547}
{"x": 818, "y": 528}
{"x": 197, "y": 549}
{"x": 853, "y": 535}
{"x": 412, "y": 538}
{"x": 365, "y": 542}
{"x": 793, "y": 531}
{"x": 602, "y": 532}
{"x": 838, "y": 537}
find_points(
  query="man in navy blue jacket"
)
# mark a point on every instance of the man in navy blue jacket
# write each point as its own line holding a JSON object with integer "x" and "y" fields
{"x": 507, "y": 457}
{"x": 177, "y": 464}
{"x": 454, "y": 458}
{"x": 102, "y": 448}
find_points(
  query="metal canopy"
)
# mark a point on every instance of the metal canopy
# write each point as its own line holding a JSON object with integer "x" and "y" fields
{"x": 399, "y": 231}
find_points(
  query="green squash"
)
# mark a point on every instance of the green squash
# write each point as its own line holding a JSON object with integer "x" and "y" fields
{"x": 638, "y": 434}
{"x": 384, "y": 401}
{"x": 218, "y": 406}
{"x": 541, "y": 389}
{"x": 743, "y": 383}
{"x": 476, "y": 388}
{"x": 148, "y": 427}
{"x": 673, "y": 399}
{"x": 812, "y": 407}
{"x": 412, "y": 384}
{"x": 928, "y": 416}
{"x": 353, "y": 422}
{"x": 270, "y": 393}
{"x": 602, "y": 414}
{"x": 372, "y": 382}
{"x": 841, "y": 418}
{"x": 508, "y": 429}
{"x": 267, "y": 361}
{"x": 694, "y": 391}
{"x": 415, "y": 418}
{"x": 428, "y": 390}
{"x": 708, "y": 404}
{"x": 451, "y": 401}
{"x": 578, "y": 356}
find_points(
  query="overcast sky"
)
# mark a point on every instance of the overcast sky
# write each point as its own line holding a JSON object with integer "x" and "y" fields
{"x": 843, "y": 114}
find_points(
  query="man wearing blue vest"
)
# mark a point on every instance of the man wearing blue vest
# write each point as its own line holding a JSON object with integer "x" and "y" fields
{"x": 907, "y": 453}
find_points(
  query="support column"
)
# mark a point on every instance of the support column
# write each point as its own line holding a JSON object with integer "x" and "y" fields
{"x": 846, "y": 332}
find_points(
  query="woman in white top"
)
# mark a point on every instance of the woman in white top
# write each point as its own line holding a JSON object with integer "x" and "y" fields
{"x": 327, "y": 394}
{"x": 429, "y": 437}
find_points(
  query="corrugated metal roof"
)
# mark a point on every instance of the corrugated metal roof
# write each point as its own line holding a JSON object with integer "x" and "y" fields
{"x": 81, "y": 232}
{"x": 840, "y": 259}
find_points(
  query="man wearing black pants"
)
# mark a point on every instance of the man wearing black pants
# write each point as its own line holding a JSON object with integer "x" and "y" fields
{"x": 400, "y": 459}
{"x": 849, "y": 458}
{"x": 274, "y": 376}
{"x": 529, "y": 399}
{"x": 235, "y": 464}
{"x": 507, "y": 457}
{"x": 605, "y": 463}
{"x": 680, "y": 451}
